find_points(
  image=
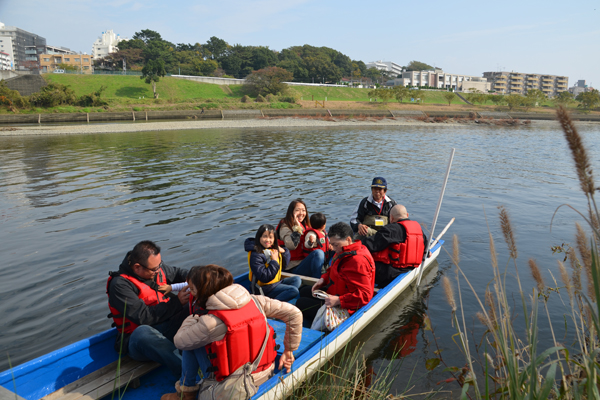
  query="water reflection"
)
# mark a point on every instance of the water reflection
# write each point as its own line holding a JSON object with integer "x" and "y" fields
{"x": 73, "y": 205}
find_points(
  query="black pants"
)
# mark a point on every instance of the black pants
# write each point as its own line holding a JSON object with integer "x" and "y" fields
{"x": 308, "y": 305}
{"x": 385, "y": 273}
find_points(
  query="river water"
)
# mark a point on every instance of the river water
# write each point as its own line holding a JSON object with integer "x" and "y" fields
{"x": 72, "y": 206}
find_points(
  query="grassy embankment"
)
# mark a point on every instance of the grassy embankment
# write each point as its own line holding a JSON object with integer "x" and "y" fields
{"x": 127, "y": 93}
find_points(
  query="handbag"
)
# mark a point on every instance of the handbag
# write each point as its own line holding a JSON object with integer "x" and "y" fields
{"x": 240, "y": 384}
{"x": 328, "y": 318}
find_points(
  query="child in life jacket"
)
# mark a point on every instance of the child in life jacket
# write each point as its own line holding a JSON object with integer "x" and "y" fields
{"x": 266, "y": 260}
{"x": 316, "y": 237}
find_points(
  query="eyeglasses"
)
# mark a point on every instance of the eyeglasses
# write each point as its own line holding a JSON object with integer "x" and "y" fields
{"x": 152, "y": 269}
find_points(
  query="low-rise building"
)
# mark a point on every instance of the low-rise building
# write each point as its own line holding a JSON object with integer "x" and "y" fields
{"x": 33, "y": 53}
{"x": 520, "y": 83}
{"x": 105, "y": 44}
{"x": 437, "y": 78}
{"x": 391, "y": 68}
{"x": 81, "y": 63}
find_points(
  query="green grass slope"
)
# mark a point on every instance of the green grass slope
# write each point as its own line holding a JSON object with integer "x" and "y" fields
{"x": 132, "y": 87}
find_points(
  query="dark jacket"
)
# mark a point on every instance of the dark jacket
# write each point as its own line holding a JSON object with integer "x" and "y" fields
{"x": 259, "y": 267}
{"x": 121, "y": 291}
{"x": 387, "y": 235}
{"x": 365, "y": 207}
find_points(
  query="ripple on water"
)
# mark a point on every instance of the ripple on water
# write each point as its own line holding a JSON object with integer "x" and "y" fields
{"x": 73, "y": 206}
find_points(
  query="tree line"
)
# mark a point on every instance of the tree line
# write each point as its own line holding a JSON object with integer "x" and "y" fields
{"x": 216, "y": 57}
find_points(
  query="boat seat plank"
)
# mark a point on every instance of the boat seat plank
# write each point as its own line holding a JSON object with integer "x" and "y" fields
{"x": 309, "y": 337}
{"x": 306, "y": 280}
{"x": 102, "y": 382}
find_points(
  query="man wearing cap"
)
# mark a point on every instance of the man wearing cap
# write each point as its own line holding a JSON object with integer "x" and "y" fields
{"x": 373, "y": 211}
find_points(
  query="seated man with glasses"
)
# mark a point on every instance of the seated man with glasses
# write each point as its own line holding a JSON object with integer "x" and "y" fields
{"x": 147, "y": 319}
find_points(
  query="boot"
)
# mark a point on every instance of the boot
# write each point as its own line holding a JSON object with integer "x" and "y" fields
{"x": 183, "y": 392}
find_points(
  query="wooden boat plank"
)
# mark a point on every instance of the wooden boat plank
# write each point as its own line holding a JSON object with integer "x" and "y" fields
{"x": 90, "y": 384}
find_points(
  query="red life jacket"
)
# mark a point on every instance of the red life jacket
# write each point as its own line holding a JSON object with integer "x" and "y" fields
{"x": 242, "y": 342}
{"x": 407, "y": 254}
{"x": 149, "y": 296}
{"x": 298, "y": 253}
{"x": 322, "y": 241}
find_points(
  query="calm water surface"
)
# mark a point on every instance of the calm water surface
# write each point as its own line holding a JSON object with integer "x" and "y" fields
{"x": 71, "y": 207}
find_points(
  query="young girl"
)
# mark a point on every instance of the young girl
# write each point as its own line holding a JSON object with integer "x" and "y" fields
{"x": 292, "y": 231}
{"x": 266, "y": 260}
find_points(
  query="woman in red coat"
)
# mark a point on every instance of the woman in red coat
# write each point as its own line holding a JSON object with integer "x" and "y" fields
{"x": 349, "y": 281}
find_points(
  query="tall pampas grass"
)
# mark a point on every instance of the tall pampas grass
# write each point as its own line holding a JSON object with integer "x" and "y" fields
{"x": 507, "y": 232}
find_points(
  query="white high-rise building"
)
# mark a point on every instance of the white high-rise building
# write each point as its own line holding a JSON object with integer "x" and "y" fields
{"x": 105, "y": 44}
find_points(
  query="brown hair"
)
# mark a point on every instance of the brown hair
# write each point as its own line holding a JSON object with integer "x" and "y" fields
{"x": 289, "y": 216}
{"x": 208, "y": 280}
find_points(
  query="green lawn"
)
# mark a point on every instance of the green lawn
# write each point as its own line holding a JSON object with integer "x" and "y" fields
{"x": 132, "y": 87}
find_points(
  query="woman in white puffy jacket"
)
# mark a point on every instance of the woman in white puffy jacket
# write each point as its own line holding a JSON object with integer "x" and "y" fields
{"x": 215, "y": 294}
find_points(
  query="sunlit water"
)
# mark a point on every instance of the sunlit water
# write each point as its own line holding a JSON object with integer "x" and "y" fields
{"x": 72, "y": 206}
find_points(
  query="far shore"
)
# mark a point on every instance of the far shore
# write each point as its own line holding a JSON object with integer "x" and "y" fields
{"x": 95, "y": 128}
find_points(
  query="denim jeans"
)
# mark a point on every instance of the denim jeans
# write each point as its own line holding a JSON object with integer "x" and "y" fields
{"x": 148, "y": 344}
{"x": 194, "y": 365}
{"x": 286, "y": 290}
{"x": 311, "y": 265}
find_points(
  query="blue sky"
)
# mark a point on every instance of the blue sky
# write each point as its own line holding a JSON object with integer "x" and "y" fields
{"x": 464, "y": 37}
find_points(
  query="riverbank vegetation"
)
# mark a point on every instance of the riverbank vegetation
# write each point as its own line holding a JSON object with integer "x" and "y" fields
{"x": 509, "y": 364}
{"x": 119, "y": 93}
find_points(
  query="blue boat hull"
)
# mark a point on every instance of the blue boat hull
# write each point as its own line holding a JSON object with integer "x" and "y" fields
{"x": 46, "y": 374}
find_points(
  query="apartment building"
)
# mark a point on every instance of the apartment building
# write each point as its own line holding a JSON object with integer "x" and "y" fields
{"x": 520, "y": 83}
{"x": 81, "y": 62}
{"x": 13, "y": 41}
{"x": 5, "y": 61}
{"x": 33, "y": 53}
{"x": 105, "y": 44}
{"x": 390, "y": 67}
{"x": 443, "y": 80}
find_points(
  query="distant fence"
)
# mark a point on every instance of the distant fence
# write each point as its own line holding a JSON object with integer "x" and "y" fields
{"x": 12, "y": 119}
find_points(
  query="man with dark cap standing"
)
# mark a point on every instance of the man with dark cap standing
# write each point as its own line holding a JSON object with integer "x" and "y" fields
{"x": 373, "y": 212}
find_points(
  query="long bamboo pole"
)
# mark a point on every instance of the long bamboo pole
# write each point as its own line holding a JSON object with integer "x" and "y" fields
{"x": 437, "y": 212}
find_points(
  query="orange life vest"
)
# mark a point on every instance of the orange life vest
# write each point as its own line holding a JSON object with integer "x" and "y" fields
{"x": 407, "y": 254}
{"x": 322, "y": 241}
{"x": 245, "y": 335}
{"x": 149, "y": 296}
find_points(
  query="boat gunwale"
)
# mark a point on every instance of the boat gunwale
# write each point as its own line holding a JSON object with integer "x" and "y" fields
{"x": 311, "y": 359}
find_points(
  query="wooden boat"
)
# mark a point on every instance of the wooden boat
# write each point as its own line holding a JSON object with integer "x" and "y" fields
{"x": 87, "y": 369}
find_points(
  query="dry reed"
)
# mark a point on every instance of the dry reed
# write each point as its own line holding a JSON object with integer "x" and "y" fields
{"x": 576, "y": 276}
{"x": 564, "y": 276}
{"x": 449, "y": 292}
{"x": 537, "y": 275}
{"x": 582, "y": 163}
{"x": 455, "y": 250}
{"x": 507, "y": 231}
{"x": 586, "y": 258}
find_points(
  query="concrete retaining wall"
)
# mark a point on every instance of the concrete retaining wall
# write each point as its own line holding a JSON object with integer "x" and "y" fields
{"x": 11, "y": 119}
{"x": 211, "y": 79}
{"x": 26, "y": 84}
